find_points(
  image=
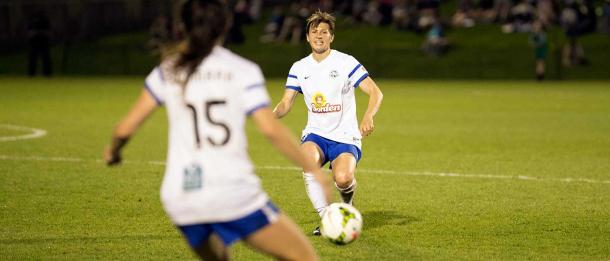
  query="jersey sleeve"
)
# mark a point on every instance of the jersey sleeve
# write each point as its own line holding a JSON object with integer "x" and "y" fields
{"x": 292, "y": 82}
{"x": 357, "y": 72}
{"x": 155, "y": 85}
{"x": 255, "y": 94}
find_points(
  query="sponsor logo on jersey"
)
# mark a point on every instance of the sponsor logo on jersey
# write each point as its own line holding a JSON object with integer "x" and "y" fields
{"x": 334, "y": 74}
{"x": 319, "y": 104}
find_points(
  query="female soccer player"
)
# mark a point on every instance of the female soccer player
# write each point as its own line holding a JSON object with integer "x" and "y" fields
{"x": 210, "y": 190}
{"x": 328, "y": 78}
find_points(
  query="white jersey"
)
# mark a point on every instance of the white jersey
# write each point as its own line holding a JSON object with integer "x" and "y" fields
{"x": 209, "y": 176}
{"x": 329, "y": 91}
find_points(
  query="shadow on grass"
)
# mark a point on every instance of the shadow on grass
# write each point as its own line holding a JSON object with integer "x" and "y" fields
{"x": 374, "y": 219}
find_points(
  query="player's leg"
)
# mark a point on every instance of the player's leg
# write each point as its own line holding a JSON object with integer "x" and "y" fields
{"x": 282, "y": 240}
{"x": 313, "y": 188}
{"x": 312, "y": 148}
{"x": 344, "y": 169}
{"x": 206, "y": 244}
{"x": 212, "y": 249}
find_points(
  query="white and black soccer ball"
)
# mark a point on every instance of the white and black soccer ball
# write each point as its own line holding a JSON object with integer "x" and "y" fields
{"x": 341, "y": 223}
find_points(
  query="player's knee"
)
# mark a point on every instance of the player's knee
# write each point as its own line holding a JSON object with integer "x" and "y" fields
{"x": 312, "y": 152}
{"x": 343, "y": 180}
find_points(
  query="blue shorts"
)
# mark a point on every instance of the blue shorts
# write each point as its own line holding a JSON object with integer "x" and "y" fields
{"x": 332, "y": 149}
{"x": 231, "y": 231}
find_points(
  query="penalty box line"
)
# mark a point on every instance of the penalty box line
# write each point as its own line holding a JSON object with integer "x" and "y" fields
{"x": 373, "y": 171}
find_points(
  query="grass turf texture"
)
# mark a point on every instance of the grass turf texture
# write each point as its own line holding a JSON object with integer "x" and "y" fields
{"x": 65, "y": 204}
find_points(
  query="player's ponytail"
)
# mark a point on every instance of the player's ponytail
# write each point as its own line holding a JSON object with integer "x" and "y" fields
{"x": 205, "y": 23}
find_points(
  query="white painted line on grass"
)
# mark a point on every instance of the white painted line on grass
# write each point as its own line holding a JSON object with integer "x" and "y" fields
{"x": 32, "y": 133}
{"x": 37, "y": 158}
{"x": 374, "y": 171}
{"x": 456, "y": 175}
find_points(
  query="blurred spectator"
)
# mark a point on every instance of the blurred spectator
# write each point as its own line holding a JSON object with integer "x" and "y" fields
{"x": 546, "y": 12}
{"x": 403, "y": 15}
{"x": 343, "y": 7}
{"x": 325, "y": 6}
{"x": 273, "y": 27}
{"x": 160, "y": 34}
{"x": 428, "y": 6}
{"x": 485, "y": 11}
{"x": 577, "y": 19}
{"x": 241, "y": 16}
{"x": 538, "y": 40}
{"x": 293, "y": 26}
{"x": 385, "y": 9}
{"x": 255, "y": 9}
{"x": 39, "y": 41}
{"x": 428, "y": 11}
{"x": 435, "y": 44}
{"x": 502, "y": 10}
{"x": 605, "y": 23}
{"x": 521, "y": 18}
{"x": 463, "y": 14}
{"x": 372, "y": 15}
{"x": 359, "y": 8}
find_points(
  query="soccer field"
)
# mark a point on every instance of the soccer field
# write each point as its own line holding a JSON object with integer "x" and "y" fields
{"x": 454, "y": 170}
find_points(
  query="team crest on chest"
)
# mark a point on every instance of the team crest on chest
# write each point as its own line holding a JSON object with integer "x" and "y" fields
{"x": 319, "y": 104}
{"x": 334, "y": 74}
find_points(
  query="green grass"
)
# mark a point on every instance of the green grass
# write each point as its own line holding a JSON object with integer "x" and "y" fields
{"x": 59, "y": 201}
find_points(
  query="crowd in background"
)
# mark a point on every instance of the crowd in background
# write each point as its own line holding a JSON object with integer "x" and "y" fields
{"x": 285, "y": 21}
{"x": 576, "y": 17}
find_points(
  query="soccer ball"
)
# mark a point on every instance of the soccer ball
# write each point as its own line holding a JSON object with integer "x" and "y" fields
{"x": 341, "y": 223}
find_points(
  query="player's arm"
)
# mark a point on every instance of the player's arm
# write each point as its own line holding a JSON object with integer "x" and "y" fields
{"x": 286, "y": 143}
{"x": 143, "y": 107}
{"x": 285, "y": 104}
{"x": 375, "y": 97}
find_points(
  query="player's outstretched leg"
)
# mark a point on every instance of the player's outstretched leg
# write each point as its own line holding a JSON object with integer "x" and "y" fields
{"x": 315, "y": 192}
{"x": 313, "y": 188}
{"x": 344, "y": 167}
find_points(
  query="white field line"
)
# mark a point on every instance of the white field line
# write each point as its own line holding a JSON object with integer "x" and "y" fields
{"x": 32, "y": 133}
{"x": 457, "y": 175}
{"x": 373, "y": 171}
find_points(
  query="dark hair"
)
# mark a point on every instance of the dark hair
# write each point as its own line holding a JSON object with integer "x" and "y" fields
{"x": 319, "y": 17}
{"x": 205, "y": 22}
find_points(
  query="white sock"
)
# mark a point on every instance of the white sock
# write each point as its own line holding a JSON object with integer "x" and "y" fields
{"x": 315, "y": 193}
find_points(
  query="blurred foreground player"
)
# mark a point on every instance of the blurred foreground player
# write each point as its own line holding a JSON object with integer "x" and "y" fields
{"x": 210, "y": 191}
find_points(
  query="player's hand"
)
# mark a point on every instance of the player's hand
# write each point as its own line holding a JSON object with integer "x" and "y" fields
{"x": 111, "y": 158}
{"x": 367, "y": 126}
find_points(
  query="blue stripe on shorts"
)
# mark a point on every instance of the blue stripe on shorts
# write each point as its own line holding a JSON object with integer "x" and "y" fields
{"x": 230, "y": 231}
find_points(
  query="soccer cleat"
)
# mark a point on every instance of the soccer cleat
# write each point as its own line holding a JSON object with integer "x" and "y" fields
{"x": 316, "y": 232}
